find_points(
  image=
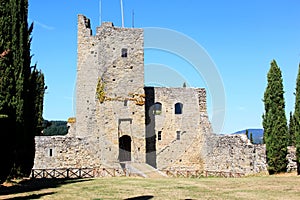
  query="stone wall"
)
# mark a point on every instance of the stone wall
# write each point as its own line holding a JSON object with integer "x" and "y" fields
{"x": 64, "y": 152}
{"x": 292, "y": 160}
{"x": 234, "y": 153}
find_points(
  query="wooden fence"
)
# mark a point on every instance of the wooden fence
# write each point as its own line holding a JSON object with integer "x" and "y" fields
{"x": 199, "y": 174}
{"x": 70, "y": 173}
{"x": 77, "y": 173}
{"x": 63, "y": 173}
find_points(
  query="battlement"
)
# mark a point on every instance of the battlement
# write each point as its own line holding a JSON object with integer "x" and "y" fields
{"x": 107, "y": 24}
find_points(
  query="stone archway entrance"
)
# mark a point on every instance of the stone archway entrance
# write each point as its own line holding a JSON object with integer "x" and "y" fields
{"x": 125, "y": 148}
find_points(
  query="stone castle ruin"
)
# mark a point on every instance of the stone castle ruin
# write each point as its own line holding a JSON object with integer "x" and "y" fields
{"x": 120, "y": 122}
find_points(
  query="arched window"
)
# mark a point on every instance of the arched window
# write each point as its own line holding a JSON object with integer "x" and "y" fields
{"x": 157, "y": 108}
{"x": 178, "y": 108}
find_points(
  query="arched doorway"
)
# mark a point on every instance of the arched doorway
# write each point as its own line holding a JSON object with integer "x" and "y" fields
{"x": 125, "y": 148}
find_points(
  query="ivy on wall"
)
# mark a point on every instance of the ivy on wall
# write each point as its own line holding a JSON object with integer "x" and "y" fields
{"x": 139, "y": 99}
{"x": 100, "y": 93}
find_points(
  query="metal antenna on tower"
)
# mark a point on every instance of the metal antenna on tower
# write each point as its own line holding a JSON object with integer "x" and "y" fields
{"x": 132, "y": 18}
{"x": 122, "y": 13}
{"x": 100, "y": 12}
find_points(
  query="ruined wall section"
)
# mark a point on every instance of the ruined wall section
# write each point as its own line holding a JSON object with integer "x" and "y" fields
{"x": 234, "y": 153}
{"x": 179, "y": 137}
{"x": 87, "y": 76}
{"x": 64, "y": 152}
{"x": 292, "y": 159}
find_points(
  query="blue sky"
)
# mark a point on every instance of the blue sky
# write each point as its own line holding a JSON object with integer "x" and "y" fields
{"x": 241, "y": 37}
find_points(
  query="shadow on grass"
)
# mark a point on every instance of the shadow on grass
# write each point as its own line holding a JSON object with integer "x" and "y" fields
{"x": 145, "y": 197}
{"x": 35, "y": 185}
{"x": 32, "y": 196}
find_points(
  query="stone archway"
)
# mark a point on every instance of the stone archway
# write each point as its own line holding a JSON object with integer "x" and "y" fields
{"x": 125, "y": 148}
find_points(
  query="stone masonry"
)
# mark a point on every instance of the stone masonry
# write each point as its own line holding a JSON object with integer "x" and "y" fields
{"x": 118, "y": 120}
{"x": 234, "y": 153}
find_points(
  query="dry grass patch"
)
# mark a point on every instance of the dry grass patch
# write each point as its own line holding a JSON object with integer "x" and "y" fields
{"x": 262, "y": 187}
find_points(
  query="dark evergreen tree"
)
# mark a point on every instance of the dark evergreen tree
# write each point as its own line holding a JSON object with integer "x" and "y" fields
{"x": 56, "y": 128}
{"x": 19, "y": 98}
{"x": 251, "y": 138}
{"x": 297, "y": 120}
{"x": 291, "y": 138}
{"x": 247, "y": 133}
{"x": 7, "y": 91}
{"x": 274, "y": 121}
{"x": 34, "y": 124}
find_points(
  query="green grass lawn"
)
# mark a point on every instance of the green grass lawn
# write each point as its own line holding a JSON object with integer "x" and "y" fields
{"x": 264, "y": 187}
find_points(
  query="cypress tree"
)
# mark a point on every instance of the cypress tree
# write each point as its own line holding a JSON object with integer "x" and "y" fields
{"x": 251, "y": 138}
{"x": 21, "y": 95}
{"x": 274, "y": 121}
{"x": 291, "y": 138}
{"x": 21, "y": 63}
{"x": 297, "y": 120}
{"x": 7, "y": 91}
{"x": 36, "y": 98}
{"x": 247, "y": 133}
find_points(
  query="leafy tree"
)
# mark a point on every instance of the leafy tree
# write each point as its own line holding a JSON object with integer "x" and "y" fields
{"x": 274, "y": 121}
{"x": 297, "y": 120}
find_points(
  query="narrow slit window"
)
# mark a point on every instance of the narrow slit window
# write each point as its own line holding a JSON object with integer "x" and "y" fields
{"x": 124, "y": 53}
{"x": 177, "y": 135}
{"x": 159, "y": 135}
{"x": 50, "y": 152}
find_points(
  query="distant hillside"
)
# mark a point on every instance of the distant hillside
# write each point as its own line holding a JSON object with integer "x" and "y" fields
{"x": 55, "y": 128}
{"x": 257, "y": 134}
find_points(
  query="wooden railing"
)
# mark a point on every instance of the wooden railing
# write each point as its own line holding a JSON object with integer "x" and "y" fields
{"x": 69, "y": 173}
{"x": 63, "y": 173}
{"x": 199, "y": 173}
{"x": 77, "y": 173}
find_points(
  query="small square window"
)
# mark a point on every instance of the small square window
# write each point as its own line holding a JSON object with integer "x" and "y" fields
{"x": 124, "y": 53}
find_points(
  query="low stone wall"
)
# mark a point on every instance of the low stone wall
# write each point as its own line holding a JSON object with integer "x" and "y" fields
{"x": 63, "y": 152}
{"x": 234, "y": 153}
{"x": 291, "y": 157}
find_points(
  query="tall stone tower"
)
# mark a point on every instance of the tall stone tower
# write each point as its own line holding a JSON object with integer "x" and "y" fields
{"x": 110, "y": 91}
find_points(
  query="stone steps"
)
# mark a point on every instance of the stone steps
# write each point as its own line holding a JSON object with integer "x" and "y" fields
{"x": 143, "y": 170}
